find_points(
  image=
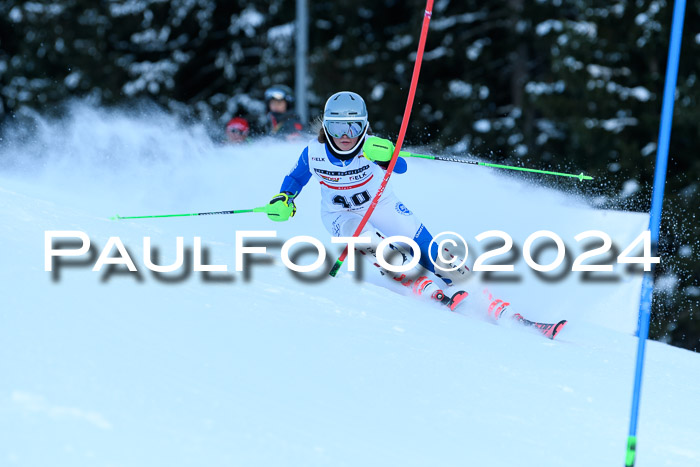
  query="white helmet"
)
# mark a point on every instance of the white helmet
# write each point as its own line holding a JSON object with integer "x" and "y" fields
{"x": 345, "y": 114}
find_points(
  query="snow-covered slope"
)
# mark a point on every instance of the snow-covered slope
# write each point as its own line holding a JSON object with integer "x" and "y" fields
{"x": 119, "y": 368}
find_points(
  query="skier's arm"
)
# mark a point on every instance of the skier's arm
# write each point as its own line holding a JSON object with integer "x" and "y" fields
{"x": 281, "y": 207}
{"x": 380, "y": 151}
{"x": 299, "y": 176}
{"x": 399, "y": 168}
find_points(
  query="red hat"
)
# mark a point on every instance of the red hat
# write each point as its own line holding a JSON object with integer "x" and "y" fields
{"x": 238, "y": 124}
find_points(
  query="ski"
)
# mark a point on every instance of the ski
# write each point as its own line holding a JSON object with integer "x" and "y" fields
{"x": 549, "y": 330}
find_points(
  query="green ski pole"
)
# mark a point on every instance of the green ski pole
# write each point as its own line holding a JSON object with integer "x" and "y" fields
{"x": 239, "y": 211}
{"x": 378, "y": 148}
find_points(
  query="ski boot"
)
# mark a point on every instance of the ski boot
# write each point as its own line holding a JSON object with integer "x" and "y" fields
{"x": 497, "y": 307}
{"x": 423, "y": 287}
{"x": 452, "y": 276}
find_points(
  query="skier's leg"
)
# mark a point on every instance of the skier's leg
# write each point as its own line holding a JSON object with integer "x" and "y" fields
{"x": 496, "y": 307}
{"x": 499, "y": 310}
{"x": 449, "y": 265}
{"x": 344, "y": 224}
{"x": 420, "y": 281}
{"x": 394, "y": 218}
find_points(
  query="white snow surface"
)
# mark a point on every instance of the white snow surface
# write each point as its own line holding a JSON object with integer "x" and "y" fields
{"x": 107, "y": 369}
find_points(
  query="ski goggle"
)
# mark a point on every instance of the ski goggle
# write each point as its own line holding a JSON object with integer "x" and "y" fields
{"x": 339, "y": 128}
{"x": 237, "y": 130}
{"x": 276, "y": 94}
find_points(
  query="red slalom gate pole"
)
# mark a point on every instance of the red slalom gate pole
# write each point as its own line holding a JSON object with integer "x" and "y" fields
{"x": 402, "y": 133}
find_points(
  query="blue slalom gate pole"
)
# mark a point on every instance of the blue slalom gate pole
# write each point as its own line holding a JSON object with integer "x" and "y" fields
{"x": 674, "y": 51}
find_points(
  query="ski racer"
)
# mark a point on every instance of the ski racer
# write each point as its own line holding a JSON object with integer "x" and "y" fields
{"x": 349, "y": 166}
{"x": 349, "y": 180}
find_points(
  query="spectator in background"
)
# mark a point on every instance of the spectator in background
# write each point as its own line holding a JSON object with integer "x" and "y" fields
{"x": 237, "y": 130}
{"x": 281, "y": 120}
